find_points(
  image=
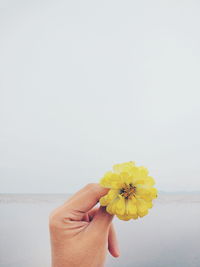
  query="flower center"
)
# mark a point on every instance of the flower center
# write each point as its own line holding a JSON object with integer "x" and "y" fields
{"x": 127, "y": 191}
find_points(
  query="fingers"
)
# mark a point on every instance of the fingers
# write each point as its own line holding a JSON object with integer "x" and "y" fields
{"x": 113, "y": 243}
{"x": 93, "y": 212}
{"x": 85, "y": 199}
{"x": 88, "y": 216}
{"x": 101, "y": 220}
{"x": 113, "y": 246}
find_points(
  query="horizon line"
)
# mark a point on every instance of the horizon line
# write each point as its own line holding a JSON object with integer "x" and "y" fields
{"x": 63, "y": 193}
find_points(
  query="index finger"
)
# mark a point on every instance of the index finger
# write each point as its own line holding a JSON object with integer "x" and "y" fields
{"x": 86, "y": 198}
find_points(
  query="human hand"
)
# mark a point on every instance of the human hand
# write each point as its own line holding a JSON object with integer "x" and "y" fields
{"x": 81, "y": 234}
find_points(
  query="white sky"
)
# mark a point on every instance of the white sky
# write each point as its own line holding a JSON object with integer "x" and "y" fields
{"x": 87, "y": 84}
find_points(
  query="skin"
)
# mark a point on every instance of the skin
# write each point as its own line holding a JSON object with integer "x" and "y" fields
{"x": 81, "y": 234}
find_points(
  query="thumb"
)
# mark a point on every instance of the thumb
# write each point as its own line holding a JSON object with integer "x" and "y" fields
{"x": 102, "y": 219}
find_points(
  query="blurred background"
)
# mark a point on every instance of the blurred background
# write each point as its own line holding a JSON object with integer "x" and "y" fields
{"x": 87, "y": 84}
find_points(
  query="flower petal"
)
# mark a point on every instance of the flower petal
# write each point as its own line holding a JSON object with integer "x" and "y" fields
{"x": 112, "y": 194}
{"x": 124, "y": 217}
{"x": 153, "y": 192}
{"x": 144, "y": 193}
{"x": 149, "y": 204}
{"x": 126, "y": 178}
{"x": 120, "y": 206}
{"x": 111, "y": 180}
{"x": 123, "y": 167}
{"x": 117, "y": 206}
{"x": 141, "y": 207}
{"x": 131, "y": 208}
{"x": 150, "y": 180}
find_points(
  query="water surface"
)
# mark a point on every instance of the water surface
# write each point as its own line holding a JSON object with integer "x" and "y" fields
{"x": 168, "y": 236}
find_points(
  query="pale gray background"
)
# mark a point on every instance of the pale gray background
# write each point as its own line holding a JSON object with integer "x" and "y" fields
{"x": 86, "y": 84}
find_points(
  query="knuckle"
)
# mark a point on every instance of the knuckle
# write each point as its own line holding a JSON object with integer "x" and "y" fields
{"x": 54, "y": 219}
{"x": 58, "y": 220}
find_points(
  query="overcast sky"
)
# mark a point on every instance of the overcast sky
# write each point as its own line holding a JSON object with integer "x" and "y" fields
{"x": 87, "y": 84}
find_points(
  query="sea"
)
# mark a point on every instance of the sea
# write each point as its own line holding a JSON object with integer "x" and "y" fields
{"x": 168, "y": 236}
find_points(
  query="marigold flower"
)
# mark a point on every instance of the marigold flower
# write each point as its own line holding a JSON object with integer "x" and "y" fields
{"x": 131, "y": 191}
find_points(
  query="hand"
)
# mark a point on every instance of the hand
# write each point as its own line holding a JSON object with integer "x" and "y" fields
{"x": 81, "y": 234}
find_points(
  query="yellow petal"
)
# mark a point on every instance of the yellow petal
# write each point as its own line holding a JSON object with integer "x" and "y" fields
{"x": 141, "y": 190}
{"x": 135, "y": 217}
{"x": 131, "y": 208}
{"x": 133, "y": 199}
{"x": 142, "y": 208}
{"x": 134, "y": 172}
{"x": 124, "y": 217}
{"x": 123, "y": 167}
{"x": 149, "y": 204}
{"x": 143, "y": 213}
{"x": 150, "y": 180}
{"x": 111, "y": 207}
{"x": 127, "y": 217}
{"x": 143, "y": 172}
{"x": 145, "y": 197}
{"x": 105, "y": 200}
{"x": 153, "y": 192}
{"x": 117, "y": 206}
{"x": 144, "y": 193}
{"x": 120, "y": 206}
{"x": 111, "y": 180}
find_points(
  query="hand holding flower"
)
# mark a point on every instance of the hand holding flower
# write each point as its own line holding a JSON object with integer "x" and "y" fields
{"x": 81, "y": 234}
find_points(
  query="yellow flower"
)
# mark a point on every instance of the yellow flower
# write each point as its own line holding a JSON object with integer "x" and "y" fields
{"x": 131, "y": 191}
